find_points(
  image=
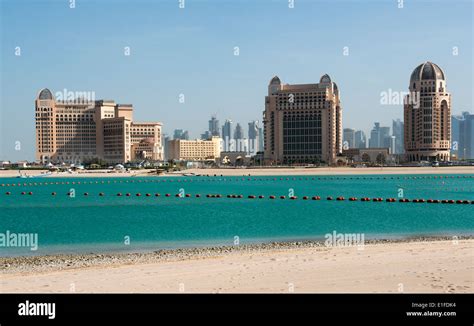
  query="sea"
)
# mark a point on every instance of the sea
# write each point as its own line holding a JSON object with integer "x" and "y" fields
{"x": 87, "y": 215}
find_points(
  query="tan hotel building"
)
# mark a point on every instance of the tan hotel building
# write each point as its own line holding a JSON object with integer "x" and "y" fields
{"x": 75, "y": 131}
{"x": 302, "y": 123}
{"x": 195, "y": 150}
{"x": 427, "y": 115}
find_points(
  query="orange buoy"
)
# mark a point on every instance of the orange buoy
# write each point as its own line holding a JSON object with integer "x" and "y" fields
{"x": 167, "y": 195}
{"x": 23, "y": 193}
{"x": 271, "y": 197}
{"x": 177, "y": 195}
{"x": 293, "y": 197}
{"x": 340, "y": 198}
{"x": 353, "y": 199}
{"x": 240, "y": 196}
{"x": 119, "y": 194}
{"x": 188, "y": 195}
{"x": 30, "y": 193}
{"x": 305, "y": 197}
{"x": 261, "y": 196}
{"x": 128, "y": 194}
{"x": 251, "y": 196}
{"x": 138, "y": 194}
{"x": 208, "y": 196}
{"x": 282, "y": 197}
{"x": 315, "y": 198}
{"x": 148, "y": 195}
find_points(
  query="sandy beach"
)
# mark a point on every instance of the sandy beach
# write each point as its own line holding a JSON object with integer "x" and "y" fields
{"x": 385, "y": 267}
{"x": 252, "y": 172}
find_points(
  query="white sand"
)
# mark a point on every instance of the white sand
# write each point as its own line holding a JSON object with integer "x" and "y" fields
{"x": 335, "y": 171}
{"x": 433, "y": 266}
{"x": 254, "y": 172}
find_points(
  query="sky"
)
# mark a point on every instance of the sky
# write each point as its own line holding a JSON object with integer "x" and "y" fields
{"x": 367, "y": 47}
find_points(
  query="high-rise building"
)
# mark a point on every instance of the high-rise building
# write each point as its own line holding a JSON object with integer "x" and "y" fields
{"x": 374, "y": 140}
{"x": 206, "y": 135}
{"x": 302, "y": 123}
{"x": 360, "y": 139}
{"x": 239, "y": 137}
{"x": 463, "y": 136}
{"x": 166, "y": 148}
{"x": 214, "y": 126}
{"x": 74, "y": 131}
{"x": 397, "y": 132}
{"x": 348, "y": 140}
{"x": 260, "y": 139}
{"x": 384, "y": 137}
{"x": 227, "y": 136}
{"x": 427, "y": 115}
{"x": 181, "y": 134}
{"x": 379, "y": 136}
{"x": 253, "y": 140}
{"x": 238, "y": 132}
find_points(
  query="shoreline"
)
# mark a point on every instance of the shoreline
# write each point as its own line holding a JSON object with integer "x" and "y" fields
{"x": 275, "y": 171}
{"x": 414, "y": 265}
{"x": 70, "y": 261}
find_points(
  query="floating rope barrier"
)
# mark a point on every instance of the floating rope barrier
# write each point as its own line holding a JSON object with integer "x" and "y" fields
{"x": 328, "y": 198}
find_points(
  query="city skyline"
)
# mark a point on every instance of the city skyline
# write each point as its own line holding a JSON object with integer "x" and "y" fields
{"x": 159, "y": 69}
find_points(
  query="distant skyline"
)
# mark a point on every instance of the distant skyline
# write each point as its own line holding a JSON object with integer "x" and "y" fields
{"x": 191, "y": 52}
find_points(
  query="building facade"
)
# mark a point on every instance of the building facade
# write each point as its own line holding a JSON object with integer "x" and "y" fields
{"x": 253, "y": 136}
{"x": 75, "y": 131}
{"x": 195, "y": 150}
{"x": 379, "y": 136}
{"x": 302, "y": 123}
{"x": 427, "y": 115}
{"x": 214, "y": 126}
{"x": 397, "y": 132}
{"x": 360, "y": 139}
{"x": 463, "y": 136}
{"x": 348, "y": 139}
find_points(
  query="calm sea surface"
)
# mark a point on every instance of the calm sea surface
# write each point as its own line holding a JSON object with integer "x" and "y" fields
{"x": 94, "y": 223}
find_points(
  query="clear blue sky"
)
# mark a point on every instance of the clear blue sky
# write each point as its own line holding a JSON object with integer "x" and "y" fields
{"x": 191, "y": 51}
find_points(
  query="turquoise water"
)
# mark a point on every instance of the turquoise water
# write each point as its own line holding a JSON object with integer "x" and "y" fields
{"x": 96, "y": 223}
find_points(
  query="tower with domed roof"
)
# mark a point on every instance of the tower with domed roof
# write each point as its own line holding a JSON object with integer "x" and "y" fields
{"x": 427, "y": 115}
{"x": 302, "y": 122}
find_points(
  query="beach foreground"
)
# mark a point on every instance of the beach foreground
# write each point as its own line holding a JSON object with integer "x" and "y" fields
{"x": 383, "y": 267}
{"x": 249, "y": 171}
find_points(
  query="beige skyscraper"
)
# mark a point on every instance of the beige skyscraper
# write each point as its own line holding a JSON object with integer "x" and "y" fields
{"x": 427, "y": 115}
{"x": 302, "y": 123}
{"x": 75, "y": 130}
